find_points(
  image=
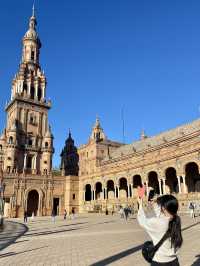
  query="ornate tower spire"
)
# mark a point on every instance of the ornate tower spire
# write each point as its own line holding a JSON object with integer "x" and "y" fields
{"x": 143, "y": 135}
{"x": 30, "y": 140}
{"x": 69, "y": 157}
{"x": 33, "y": 10}
{"x": 31, "y": 42}
{"x": 97, "y": 131}
{"x": 30, "y": 81}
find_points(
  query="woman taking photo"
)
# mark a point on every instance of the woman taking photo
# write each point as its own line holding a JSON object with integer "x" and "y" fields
{"x": 165, "y": 222}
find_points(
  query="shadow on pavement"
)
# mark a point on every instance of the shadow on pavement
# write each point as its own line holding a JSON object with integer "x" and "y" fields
{"x": 197, "y": 262}
{"x": 16, "y": 253}
{"x": 118, "y": 256}
{"x": 190, "y": 226}
{"x": 51, "y": 232}
{"x": 65, "y": 225}
{"x": 10, "y": 236}
{"x": 20, "y": 241}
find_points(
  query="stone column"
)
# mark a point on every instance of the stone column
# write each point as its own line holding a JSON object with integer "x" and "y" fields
{"x": 164, "y": 189}
{"x": 132, "y": 189}
{"x": 115, "y": 192}
{"x": 184, "y": 185}
{"x": 36, "y": 91}
{"x": 92, "y": 194}
{"x": 179, "y": 185}
{"x": 25, "y": 159}
{"x": 29, "y": 88}
{"x": 160, "y": 187}
{"x": 105, "y": 196}
{"x": 43, "y": 92}
{"x": 128, "y": 194}
{"x": 84, "y": 195}
{"x": 147, "y": 188}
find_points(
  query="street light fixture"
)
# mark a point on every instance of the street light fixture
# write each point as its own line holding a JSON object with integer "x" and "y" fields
{"x": 2, "y": 188}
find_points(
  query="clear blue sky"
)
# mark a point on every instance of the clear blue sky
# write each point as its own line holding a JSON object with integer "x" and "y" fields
{"x": 101, "y": 55}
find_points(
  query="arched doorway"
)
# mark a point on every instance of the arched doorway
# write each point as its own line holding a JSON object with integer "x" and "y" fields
{"x": 153, "y": 182}
{"x": 171, "y": 181}
{"x": 88, "y": 193}
{"x": 192, "y": 178}
{"x": 32, "y": 202}
{"x": 110, "y": 189}
{"x": 137, "y": 182}
{"x": 123, "y": 188}
{"x": 99, "y": 191}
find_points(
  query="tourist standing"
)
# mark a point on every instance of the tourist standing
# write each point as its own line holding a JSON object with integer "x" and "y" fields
{"x": 191, "y": 208}
{"x": 121, "y": 212}
{"x": 65, "y": 214}
{"x": 53, "y": 216}
{"x": 73, "y": 213}
{"x": 126, "y": 212}
{"x": 165, "y": 225}
{"x": 25, "y": 216}
{"x": 32, "y": 217}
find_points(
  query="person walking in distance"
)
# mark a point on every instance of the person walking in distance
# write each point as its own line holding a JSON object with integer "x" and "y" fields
{"x": 65, "y": 214}
{"x": 53, "y": 216}
{"x": 192, "y": 207}
{"x": 126, "y": 212}
{"x": 164, "y": 229}
{"x": 25, "y": 216}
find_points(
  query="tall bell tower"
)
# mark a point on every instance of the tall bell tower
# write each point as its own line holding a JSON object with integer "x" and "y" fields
{"x": 27, "y": 141}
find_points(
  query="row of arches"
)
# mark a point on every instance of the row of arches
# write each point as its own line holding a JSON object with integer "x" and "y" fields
{"x": 171, "y": 183}
{"x": 34, "y": 93}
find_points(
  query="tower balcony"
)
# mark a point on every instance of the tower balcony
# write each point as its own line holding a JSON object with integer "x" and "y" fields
{"x": 26, "y": 99}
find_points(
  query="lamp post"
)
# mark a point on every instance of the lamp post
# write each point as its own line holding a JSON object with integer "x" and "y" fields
{"x": 2, "y": 188}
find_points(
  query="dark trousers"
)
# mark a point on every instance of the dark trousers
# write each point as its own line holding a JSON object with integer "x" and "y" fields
{"x": 171, "y": 263}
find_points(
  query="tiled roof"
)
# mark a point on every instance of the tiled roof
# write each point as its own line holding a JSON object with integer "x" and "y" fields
{"x": 157, "y": 140}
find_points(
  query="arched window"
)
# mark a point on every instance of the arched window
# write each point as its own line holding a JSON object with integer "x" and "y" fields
{"x": 10, "y": 140}
{"x": 39, "y": 94}
{"x": 1, "y": 147}
{"x": 8, "y": 169}
{"x": 32, "y": 92}
{"x": 30, "y": 142}
{"x": 25, "y": 87}
{"x": 46, "y": 144}
{"x": 32, "y": 55}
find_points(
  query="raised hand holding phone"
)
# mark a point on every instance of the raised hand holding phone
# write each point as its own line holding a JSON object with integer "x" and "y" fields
{"x": 141, "y": 192}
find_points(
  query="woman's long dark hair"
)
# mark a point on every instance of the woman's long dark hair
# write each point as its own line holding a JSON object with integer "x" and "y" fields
{"x": 170, "y": 204}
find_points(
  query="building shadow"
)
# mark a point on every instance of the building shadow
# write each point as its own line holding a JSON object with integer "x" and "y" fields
{"x": 190, "y": 226}
{"x": 11, "y": 238}
{"x": 118, "y": 256}
{"x": 16, "y": 253}
{"x": 20, "y": 241}
{"x": 197, "y": 261}
{"x": 51, "y": 232}
{"x": 65, "y": 225}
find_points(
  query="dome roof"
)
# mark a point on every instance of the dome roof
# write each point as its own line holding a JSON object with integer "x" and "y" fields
{"x": 31, "y": 34}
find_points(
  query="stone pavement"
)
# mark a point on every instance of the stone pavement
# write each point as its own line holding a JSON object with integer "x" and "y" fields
{"x": 93, "y": 240}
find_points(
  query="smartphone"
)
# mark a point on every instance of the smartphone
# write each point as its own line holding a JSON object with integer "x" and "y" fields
{"x": 151, "y": 194}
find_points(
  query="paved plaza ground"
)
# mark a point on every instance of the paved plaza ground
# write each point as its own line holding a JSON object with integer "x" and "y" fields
{"x": 90, "y": 240}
